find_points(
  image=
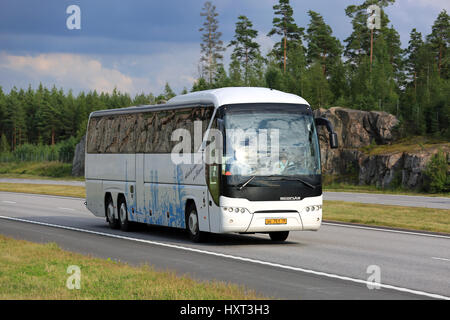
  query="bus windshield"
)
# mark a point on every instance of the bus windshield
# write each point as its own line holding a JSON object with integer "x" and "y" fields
{"x": 273, "y": 141}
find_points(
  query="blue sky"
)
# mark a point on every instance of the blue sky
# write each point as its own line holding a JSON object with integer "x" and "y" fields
{"x": 138, "y": 46}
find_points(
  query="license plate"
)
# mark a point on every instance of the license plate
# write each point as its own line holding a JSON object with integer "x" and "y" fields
{"x": 276, "y": 221}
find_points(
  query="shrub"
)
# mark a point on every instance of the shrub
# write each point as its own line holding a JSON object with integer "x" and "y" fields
{"x": 437, "y": 178}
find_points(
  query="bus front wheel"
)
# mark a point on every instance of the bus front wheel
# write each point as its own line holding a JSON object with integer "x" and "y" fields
{"x": 279, "y": 236}
{"x": 192, "y": 225}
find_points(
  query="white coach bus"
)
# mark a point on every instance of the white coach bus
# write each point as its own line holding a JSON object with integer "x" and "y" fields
{"x": 131, "y": 174}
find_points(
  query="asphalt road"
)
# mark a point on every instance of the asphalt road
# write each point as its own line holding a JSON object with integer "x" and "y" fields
{"x": 332, "y": 263}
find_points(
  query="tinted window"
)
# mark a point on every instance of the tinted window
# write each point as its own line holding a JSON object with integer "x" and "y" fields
{"x": 146, "y": 132}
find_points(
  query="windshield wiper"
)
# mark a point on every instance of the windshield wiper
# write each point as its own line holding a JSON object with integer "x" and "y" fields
{"x": 295, "y": 179}
{"x": 302, "y": 181}
{"x": 246, "y": 183}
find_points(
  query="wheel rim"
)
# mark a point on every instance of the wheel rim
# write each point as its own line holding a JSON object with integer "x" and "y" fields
{"x": 193, "y": 222}
{"x": 123, "y": 213}
{"x": 111, "y": 212}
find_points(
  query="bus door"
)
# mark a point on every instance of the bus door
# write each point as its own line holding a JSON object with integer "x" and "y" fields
{"x": 140, "y": 201}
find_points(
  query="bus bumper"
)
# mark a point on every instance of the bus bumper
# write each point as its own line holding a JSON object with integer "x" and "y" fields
{"x": 270, "y": 216}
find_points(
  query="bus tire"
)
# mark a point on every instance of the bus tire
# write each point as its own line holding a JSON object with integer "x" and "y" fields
{"x": 192, "y": 225}
{"x": 279, "y": 235}
{"x": 113, "y": 222}
{"x": 125, "y": 225}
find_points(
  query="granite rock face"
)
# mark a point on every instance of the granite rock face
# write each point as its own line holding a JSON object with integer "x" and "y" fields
{"x": 78, "y": 159}
{"x": 400, "y": 168}
{"x": 357, "y": 129}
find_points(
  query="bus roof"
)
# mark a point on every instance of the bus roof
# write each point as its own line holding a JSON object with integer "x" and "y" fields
{"x": 235, "y": 95}
{"x": 216, "y": 97}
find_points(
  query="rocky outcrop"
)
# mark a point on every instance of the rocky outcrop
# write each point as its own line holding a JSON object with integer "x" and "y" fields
{"x": 358, "y": 129}
{"x": 78, "y": 159}
{"x": 403, "y": 169}
{"x": 355, "y": 129}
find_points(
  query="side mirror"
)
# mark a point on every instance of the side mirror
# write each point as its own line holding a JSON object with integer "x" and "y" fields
{"x": 334, "y": 140}
{"x": 332, "y": 135}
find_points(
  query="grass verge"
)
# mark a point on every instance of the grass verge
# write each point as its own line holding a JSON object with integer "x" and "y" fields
{"x": 37, "y": 170}
{"x": 47, "y": 189}
{"x": 39, "y": 271}
{"x": 420, "y": 219}
{"x": 410, "y": 144}
{"x": 345, "y": 187}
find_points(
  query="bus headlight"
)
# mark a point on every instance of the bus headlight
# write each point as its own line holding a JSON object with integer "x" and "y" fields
{"x": 234, "y": 209}
{"x": 313, "y": 208}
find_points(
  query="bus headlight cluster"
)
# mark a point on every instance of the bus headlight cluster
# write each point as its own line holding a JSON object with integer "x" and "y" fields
{"x": 313, "y": 208}
{"x": 233, "y": 209}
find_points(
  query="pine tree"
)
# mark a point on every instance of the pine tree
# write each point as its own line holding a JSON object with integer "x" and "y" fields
{"x": 359, "y": 42}
{"x": 168, "y": 92}
{"x": 14, "y": 121}
{"x": 2, "y": 112}
{"x": 200, "y": 85}
{"x": 211, "y": 46}
{"x": 246, "y": 50}
{"x": 285, "y": 26}
{"x": 318, "y": 92}
{"x": 413, "y": 61}
{"x": 295, "y": 79}
{"x": 375, "y": 68}
{"x": 322, "y": 45}
{"x": 4, "y": 146}
{"x": 49, "y": 115}
{"x": 235, "y": 73}
{"x": 439, "y": 40}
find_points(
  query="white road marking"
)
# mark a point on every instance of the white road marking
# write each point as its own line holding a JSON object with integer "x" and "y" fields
{"x": 437, "y": 258}
{"x": 70, "y": 209}
{"x": 211, "y": 253}
{"x": 385, "y": 230}
{"x": 11, "y": 202}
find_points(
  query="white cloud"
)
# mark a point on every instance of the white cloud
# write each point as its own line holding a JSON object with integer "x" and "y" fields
{"x": 128, "y": 73}
{"x": 70, "y": 71}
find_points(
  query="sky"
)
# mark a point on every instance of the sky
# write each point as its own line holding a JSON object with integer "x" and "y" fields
{"x": 137, "y": 46}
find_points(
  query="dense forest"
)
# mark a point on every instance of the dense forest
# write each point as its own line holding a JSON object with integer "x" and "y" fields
{"x": 368, "y": 71}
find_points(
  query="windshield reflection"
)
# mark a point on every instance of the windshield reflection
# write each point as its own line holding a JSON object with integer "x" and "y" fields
{"x": 270, "y": 143}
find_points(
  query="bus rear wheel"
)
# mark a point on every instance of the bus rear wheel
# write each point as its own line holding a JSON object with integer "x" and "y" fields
{"x": 192, "y": 225}
{"x": 123, "y": 215}
{"x": 279, "y": 235}
{"x": 113, "y": 222}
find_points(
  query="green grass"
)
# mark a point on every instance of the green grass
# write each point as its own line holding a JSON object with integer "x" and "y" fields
{"x": 345, "y": 187}
{"x": 411, "y": 144}
{"x": 421, "y": 219}
{"x": 39, "y": 271}
{"x": 36, "y": 170}
{"x": 48, "y": 189}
